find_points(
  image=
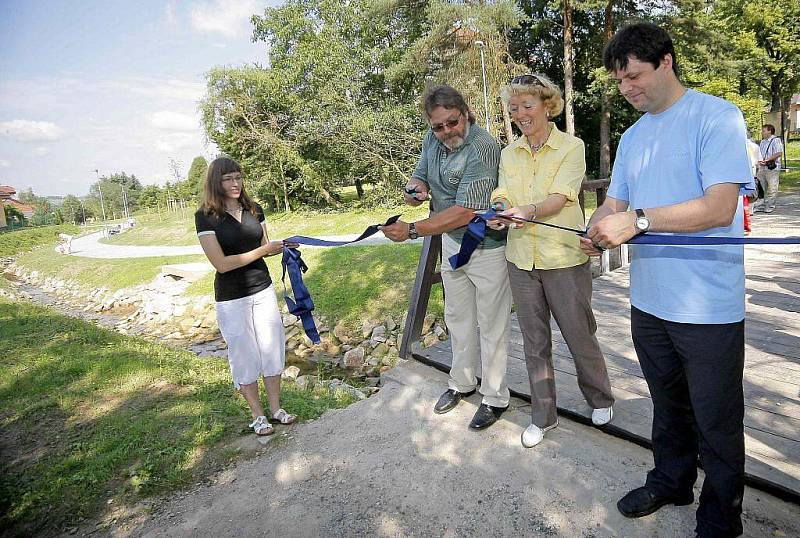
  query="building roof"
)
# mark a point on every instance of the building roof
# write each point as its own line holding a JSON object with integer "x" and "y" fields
{"x": 7, "y": 191}
{"x": 25, "y": 209}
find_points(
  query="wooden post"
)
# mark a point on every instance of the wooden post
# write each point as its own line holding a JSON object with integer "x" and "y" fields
{"x": 426, "y": 277}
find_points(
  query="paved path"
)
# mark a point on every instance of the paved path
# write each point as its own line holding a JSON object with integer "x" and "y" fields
{"x": 772, "y": 355}
{"x": 89, "y": 246}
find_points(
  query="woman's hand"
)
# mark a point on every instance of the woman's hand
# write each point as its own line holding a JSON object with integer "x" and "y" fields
{"x": 526, "y": 212}
{"x": 272, "y": 248}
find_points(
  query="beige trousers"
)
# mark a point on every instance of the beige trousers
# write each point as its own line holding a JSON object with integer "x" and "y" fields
{"x": 567, "y": 294}
{"x": 477, "y": 296}
{"x": 769, "y": 182}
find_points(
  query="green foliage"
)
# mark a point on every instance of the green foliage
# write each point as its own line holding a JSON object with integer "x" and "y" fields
{"x": 14, "y": 216}
{"x": 22, "y": 240}
{"x": 90, "y": 415}
{"x": 196, "y": 177}
{"x": 108, "y": 194}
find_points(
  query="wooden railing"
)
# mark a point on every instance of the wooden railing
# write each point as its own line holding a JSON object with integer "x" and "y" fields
{"x": 431, "y": 254}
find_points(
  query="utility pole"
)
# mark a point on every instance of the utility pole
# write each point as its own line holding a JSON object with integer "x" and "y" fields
{"x": 481, "y": 45}
{"x": 102, "y": 205}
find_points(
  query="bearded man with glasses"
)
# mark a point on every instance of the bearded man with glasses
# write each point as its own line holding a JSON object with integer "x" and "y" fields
{"x": 458, "y": 170}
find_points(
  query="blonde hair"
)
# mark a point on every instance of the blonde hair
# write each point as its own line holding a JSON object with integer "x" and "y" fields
{"x": 546, "y": 90}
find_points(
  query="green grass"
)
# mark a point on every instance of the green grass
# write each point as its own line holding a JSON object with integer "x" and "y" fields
{"x": 87, "y": 415}
{"x": 174, "y": 229}
{"x": 352, "y": 284}
{"x": 95, "y": 273}
{"x": 790, "y": 181}
{"x": 25, "y": 239}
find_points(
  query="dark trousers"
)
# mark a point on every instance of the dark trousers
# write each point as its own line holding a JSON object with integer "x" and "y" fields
{"x": 694, "y": 372}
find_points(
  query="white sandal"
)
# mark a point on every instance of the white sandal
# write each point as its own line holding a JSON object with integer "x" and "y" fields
{"x": 283, "y": 417}
{"x": 262, "y": 426}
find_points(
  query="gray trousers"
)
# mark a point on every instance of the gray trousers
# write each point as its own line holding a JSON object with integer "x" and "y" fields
{"x": 567, "y": 294}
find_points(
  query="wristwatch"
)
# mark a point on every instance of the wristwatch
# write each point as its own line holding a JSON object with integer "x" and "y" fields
{"x": 642, "y": 223}
{"x": 412, "y": 231}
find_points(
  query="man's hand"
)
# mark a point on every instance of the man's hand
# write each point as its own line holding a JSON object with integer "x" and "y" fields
{"x": 397, "y": 232}
{"x": 415, "y": 192}
{"x": 589, "y": 248}
{"x": 611, "y": 231}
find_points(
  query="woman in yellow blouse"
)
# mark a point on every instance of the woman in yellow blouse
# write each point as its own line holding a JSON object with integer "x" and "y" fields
{"x": 540, "y": 178}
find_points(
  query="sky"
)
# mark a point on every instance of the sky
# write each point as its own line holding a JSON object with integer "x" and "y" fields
{"x": 111, "y": 86}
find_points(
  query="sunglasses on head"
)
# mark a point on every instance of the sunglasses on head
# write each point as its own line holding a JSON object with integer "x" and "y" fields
{"x": 527, "y": 80}
{"x": 449, "y": 124}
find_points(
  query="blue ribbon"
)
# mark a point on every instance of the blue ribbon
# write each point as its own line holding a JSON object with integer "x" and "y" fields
{"x": 473, "y": 236}
{"x": 293, "y": 264}
{"x": 315, "y": 242}
{"x": 302, "y": 305}
{"x": 664, "y": 239}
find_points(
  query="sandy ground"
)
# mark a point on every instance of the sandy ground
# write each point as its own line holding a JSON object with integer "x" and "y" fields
{"x": 387, "y": 466}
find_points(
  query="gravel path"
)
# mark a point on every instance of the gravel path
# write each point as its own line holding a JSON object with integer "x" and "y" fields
{"x": 387, "y": 466}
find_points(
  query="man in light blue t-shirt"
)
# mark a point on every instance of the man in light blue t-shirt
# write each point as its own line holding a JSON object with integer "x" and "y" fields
{"x": 680, "y": 169}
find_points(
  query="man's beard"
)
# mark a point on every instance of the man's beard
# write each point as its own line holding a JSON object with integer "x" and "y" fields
{"x": 454, "y": 143}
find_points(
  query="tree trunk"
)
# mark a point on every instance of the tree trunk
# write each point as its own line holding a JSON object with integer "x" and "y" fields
{"x": 569, "y": 98}
{"x": 286, "y": 205}
{"x": 359, "y": 188}
{"x": 605, "y": 107}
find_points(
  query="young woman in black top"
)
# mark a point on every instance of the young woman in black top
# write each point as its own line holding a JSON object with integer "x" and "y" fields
{"x": 233, "y": 234}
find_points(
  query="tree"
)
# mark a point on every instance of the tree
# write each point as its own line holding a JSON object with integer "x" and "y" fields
{"x": 766, "y": 38}
{"x": 14, "y": 215}
{"x": 72, "y": 210}
{"x": 196, "y": 177}
{"x": 149, "y": 197}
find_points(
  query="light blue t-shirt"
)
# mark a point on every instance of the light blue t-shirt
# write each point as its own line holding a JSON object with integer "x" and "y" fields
{"x": 669, "y": 158}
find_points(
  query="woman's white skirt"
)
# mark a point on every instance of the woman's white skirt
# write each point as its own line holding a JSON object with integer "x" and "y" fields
{"x": 253, "y": 329}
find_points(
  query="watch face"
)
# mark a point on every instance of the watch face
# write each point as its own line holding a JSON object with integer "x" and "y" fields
{"x": 642, "y": 223}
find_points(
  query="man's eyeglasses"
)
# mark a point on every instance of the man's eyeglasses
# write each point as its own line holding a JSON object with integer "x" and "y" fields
{"x": 450, "y": 124}
{"x": 527, "y": 80}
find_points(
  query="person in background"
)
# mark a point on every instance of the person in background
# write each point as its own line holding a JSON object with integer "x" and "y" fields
{"x": 233, "y": 233}
{"x": 769, "y": 167}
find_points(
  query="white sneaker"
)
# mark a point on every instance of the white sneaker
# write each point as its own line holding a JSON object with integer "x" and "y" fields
{"x": 533, "y": 435}
{"x": 602, "y": 416}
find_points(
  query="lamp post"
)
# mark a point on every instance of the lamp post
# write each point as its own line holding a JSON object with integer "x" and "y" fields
{"x": 102, "y": 205}
{"x": 481, "y": 45}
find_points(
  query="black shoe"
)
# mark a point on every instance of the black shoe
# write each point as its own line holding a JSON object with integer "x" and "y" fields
{"x": 449, "y": 400}
{"x": 642, "y": 501}
{"x": 485, "y": 416}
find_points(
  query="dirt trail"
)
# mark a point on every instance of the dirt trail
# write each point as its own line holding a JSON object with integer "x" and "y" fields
{"x": 387, "y": 466}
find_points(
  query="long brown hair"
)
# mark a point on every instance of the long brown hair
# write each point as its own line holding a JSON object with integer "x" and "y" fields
{"x": 214, "y": 194}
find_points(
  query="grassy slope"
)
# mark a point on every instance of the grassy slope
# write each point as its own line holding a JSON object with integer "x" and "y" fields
{"x": 93, "y": 273}
{"x": 177, "y": 229}
{"x": 88, "y": 414}
{"x": 790, "y": 181}
{"x": 353, "y": 283}
{"x": 24, "y": 239}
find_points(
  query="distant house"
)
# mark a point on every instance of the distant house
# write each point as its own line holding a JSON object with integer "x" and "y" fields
{"x": 794, "y": 114}
{"x": 7, "y": 198}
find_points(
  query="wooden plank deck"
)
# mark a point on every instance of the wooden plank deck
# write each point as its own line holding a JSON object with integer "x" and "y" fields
{"x": 772, "y": 358}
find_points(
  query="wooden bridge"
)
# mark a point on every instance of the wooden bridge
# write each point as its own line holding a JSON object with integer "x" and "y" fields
{"x": 772, "y": 353}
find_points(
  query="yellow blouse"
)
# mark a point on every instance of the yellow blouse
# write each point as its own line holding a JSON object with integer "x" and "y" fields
{"x": 527, "y": 178}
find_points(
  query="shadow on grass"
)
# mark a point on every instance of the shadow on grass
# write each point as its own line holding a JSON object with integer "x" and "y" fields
{"x": 89, "y": 415}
